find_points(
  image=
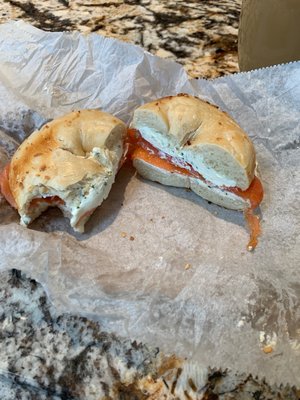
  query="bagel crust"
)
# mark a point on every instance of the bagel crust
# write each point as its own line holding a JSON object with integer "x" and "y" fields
{"x": 71, "y": 160}
{"x": 200, "y": 134}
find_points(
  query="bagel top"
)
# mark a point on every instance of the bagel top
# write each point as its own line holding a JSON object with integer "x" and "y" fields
{"x": 64, "y": 152}
{"x": 202, "y": 135}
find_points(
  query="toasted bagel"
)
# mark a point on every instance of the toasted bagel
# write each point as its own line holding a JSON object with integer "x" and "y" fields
{"x": 71, "y": 162}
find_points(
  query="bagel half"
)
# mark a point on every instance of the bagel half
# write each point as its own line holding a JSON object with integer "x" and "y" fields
{"x": 70, "y": 163}
{"x": 186, "y": 142}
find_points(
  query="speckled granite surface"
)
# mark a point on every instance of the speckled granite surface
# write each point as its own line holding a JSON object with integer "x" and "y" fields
{"x": 200, "y": 34}
{"x": 45, "y": 356}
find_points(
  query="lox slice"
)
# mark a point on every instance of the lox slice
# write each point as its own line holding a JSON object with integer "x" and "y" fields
{"x": 143, "y": 150}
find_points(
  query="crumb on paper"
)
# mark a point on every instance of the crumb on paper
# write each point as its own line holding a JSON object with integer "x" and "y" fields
{"x": 131, "y": 238}
{"x": 187, "y": 266}
{"x": 267, "y": 349}
{"x": 262, "y": 336}
{"x": 151, "y": 219}
{"x": 268, "y": 341}
{"x": 163, "y": 217}
{"x": 123, "y": 234}
{"x": 241, "y": 322}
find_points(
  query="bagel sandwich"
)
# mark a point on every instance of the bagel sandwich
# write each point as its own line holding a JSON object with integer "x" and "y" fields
{"x": 186, "y": 142}
{"x": 71, "y": 163}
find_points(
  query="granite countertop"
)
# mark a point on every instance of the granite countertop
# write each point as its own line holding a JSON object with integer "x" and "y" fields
{"x": 45, "y": 356}
{"x": 199, "y": 34}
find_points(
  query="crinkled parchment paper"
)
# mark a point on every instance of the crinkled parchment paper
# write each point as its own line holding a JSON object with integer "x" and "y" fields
{"x": 160, "y": 264}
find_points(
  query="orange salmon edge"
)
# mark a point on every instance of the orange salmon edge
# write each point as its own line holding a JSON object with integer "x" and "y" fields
{"x": 55, "y": 200}
{"x": 254, "y": 227}
{"x": 5, "y": 188}
{"x": 153, "y": 159}
{"x": 254, "y": 193}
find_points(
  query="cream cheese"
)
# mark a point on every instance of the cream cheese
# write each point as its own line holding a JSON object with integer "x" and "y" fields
{"x": 164, "y": 143}
{"x": 99, "y": 188}
{"x": 82, "y": 197}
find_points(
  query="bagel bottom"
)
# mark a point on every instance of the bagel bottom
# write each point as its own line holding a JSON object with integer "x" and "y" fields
{"x": 210, "y": 193}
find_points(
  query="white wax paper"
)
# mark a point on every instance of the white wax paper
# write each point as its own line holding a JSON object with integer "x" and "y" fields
{"x": 156, "y": 263}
